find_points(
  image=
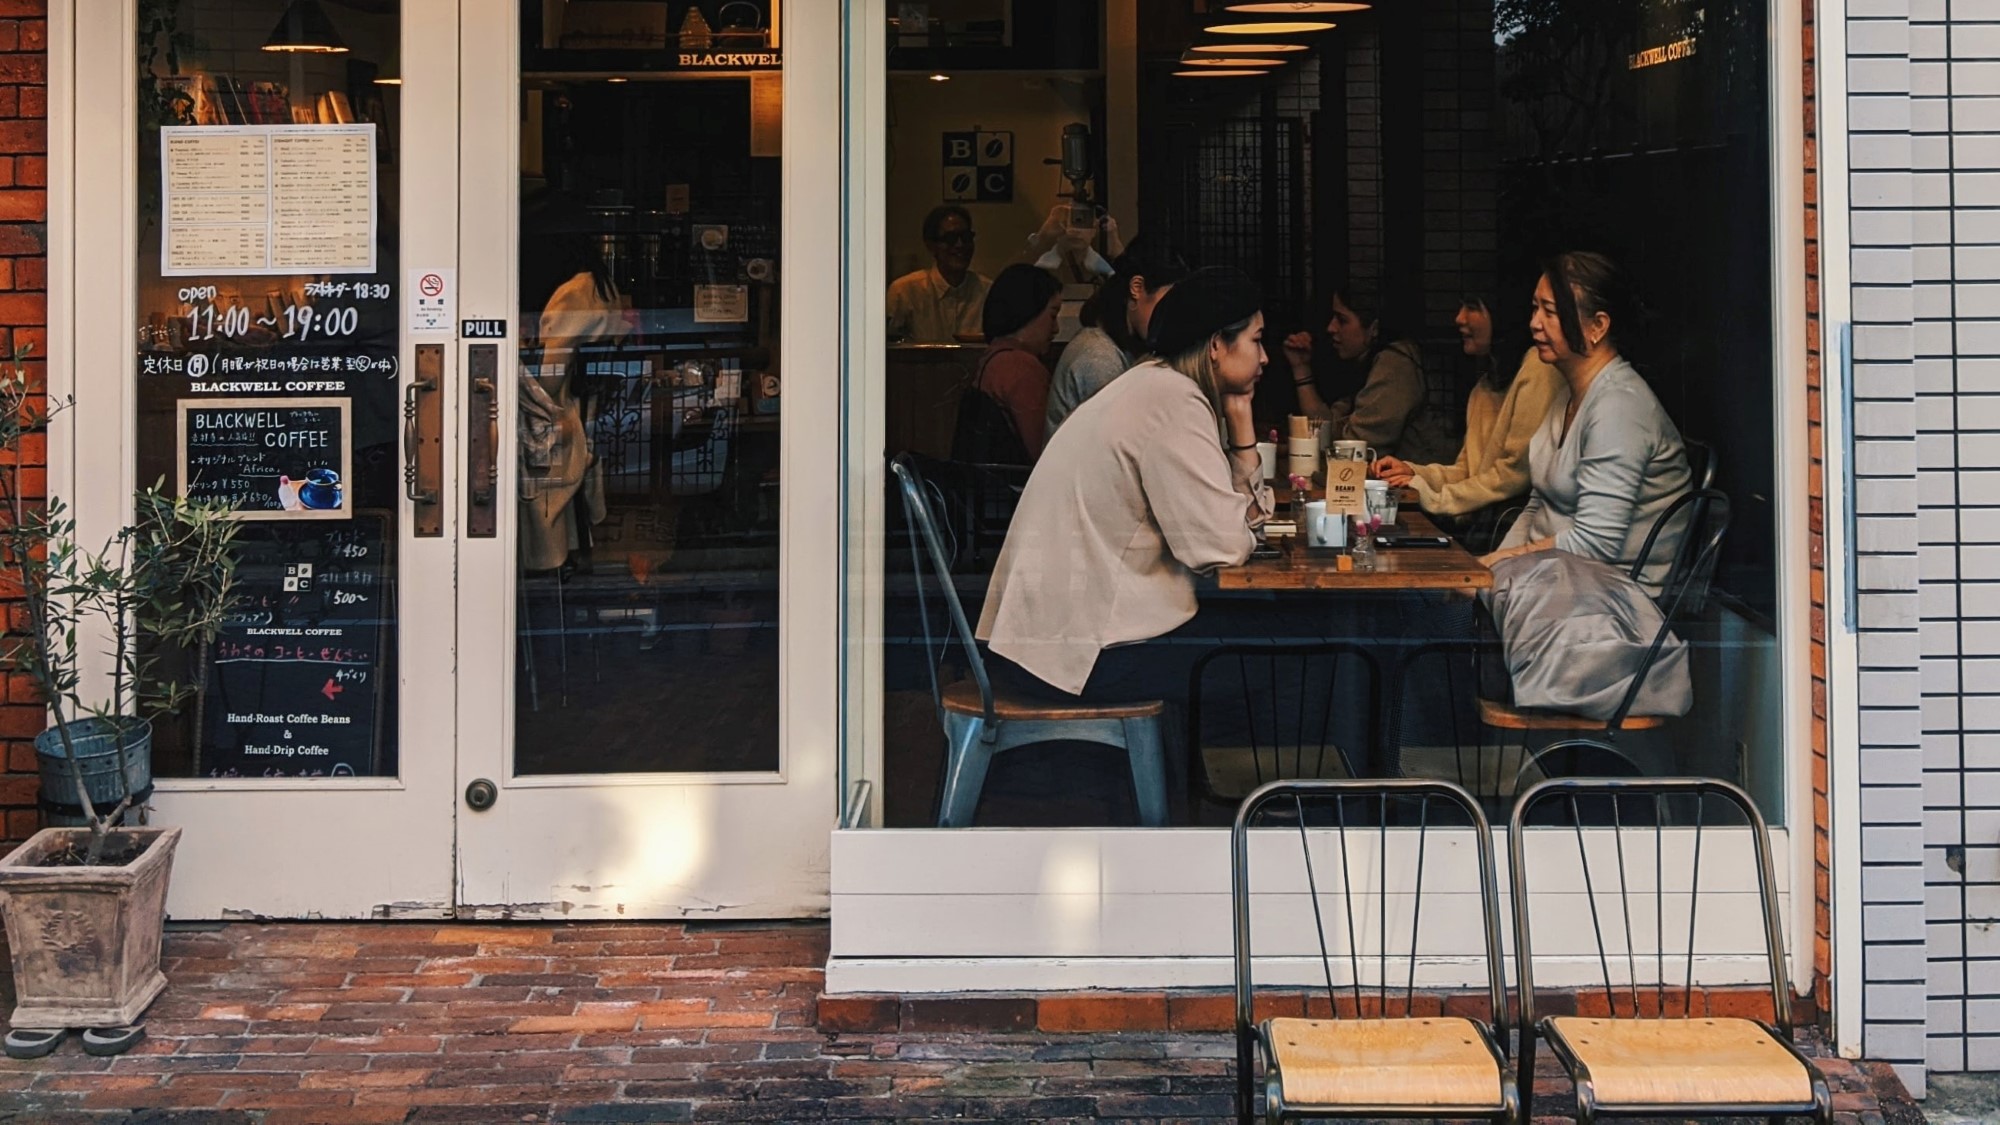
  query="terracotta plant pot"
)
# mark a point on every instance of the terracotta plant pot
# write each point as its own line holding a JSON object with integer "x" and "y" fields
{"x": 85, "y": 940}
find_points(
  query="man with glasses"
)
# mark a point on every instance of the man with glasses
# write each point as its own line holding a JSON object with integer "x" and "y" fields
{"x": 939, "y": 304}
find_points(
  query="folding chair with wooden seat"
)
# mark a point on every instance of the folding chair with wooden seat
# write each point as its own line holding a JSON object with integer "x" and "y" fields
{"x": 978, "y": 723}
{"x": 1374, "y": 1056}
{"x": 1654, "y": 1055}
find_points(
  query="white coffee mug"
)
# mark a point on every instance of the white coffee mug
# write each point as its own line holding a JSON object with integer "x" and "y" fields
{"x": 1321, "y": 529}
{"x": 1349, "y": 450}
{"x": 1267, "y": 458}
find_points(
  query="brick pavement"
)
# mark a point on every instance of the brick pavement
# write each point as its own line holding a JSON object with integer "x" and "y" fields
{"x": 405, "y": 1022}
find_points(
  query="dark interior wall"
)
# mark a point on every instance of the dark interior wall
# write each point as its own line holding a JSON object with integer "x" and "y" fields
{"x": 1666, "y": 168}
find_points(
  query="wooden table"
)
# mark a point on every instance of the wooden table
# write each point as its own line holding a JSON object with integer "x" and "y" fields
{"x": 1403, "y": 568}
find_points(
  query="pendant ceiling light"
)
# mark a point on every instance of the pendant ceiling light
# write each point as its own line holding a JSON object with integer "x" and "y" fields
{"x": 1218, "y": 72}
{"x": 304, "y": 29}
{"x": 1313, "y": 8}
{"x": 1228, "y": 60}
{"x": 1248, "y": 48}
{"x": 1271, "y": 27}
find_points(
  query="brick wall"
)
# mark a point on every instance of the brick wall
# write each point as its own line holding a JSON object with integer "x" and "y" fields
{"x": 23, "y": 315}
{"x": 1822, "y": 962}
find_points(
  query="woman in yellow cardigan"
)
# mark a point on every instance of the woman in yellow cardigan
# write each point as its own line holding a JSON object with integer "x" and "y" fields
{"x": 1506, "y": 408}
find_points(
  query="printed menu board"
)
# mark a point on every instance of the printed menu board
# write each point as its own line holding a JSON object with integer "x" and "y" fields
{"x": 298, "y": 676}
{"x": 273, "y": 458}
{"x": 267, "y": 199}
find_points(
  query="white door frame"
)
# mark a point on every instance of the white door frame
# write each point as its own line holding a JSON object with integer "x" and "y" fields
{"x": 658, "y": 844}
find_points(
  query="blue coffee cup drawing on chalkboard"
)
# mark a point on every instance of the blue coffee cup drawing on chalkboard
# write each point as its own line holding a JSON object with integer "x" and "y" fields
{"x": 321, "y": 490}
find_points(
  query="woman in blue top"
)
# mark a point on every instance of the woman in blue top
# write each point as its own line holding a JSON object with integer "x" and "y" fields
{"x": 1607, "y": 460}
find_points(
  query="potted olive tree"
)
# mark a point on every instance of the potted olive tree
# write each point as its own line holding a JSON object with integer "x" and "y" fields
{"x": 84, "y": 904}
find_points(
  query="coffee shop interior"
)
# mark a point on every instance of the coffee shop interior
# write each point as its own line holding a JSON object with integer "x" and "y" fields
{"x": 1411, "y": 166}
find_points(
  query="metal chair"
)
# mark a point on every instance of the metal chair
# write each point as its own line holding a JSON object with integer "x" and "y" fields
{"x": 1701, "y": 463}
{"x": 978, "y": 723}
{"x": 1701, "y": 519}
{"x": 1682, "y": 597}
{"x": 1654, "y": 1056}
{"x": 975, "y": 505}
{"x": 1277, "y": 702}
{"x": 1375, "y": 1058}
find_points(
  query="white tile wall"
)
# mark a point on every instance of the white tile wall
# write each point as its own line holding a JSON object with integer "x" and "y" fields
{"x": 1954, "y": 99}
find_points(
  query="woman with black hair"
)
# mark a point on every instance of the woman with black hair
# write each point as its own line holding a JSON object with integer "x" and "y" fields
{"x": 1123, "y": 310}
{"x": 1505, "y": 409}
{"x": 1607, "y": 461}
{"x": 1391, "y": 411}
{"x": 1020, "y": 322}
{"x": 1155, "y": 480}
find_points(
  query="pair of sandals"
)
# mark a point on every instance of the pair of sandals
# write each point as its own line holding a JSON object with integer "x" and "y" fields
{"x": 34, "y": 1043}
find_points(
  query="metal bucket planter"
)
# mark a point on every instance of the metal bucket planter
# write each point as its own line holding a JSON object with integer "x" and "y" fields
{"x": 96, "y": 742}
{"x": 85, "y": 941}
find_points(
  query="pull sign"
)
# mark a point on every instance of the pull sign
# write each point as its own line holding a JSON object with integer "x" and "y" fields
{"x": 483, "y": 329}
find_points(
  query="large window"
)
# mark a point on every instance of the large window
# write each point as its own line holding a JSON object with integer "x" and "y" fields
{"x": 1391, "y": 186}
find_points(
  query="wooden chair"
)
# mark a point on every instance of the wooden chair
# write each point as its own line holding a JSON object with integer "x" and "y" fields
{"x": 1653, "y": 1056}
{"x": 1269, "y": 711}
{"x": 1374, "y": 1059}
{"x": 979, "y": 724}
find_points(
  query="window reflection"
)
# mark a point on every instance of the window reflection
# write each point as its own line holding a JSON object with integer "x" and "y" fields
{"x": 649, "y": 391}
{"x": 1394, "y": 191}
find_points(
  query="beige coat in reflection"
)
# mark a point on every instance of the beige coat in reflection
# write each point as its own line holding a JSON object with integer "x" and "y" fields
{"x": 557, "y": 465}
{"x": 1131, "y": 498}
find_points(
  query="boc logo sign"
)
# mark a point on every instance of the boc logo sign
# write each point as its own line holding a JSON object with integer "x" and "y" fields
{"x": 979, "y": 167}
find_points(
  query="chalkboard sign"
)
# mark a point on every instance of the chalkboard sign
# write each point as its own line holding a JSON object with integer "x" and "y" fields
{"x": 298, "y": 676}
{"x": 274, "y": 458}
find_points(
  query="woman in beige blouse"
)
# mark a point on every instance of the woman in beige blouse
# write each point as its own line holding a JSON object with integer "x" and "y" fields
{"x": 1505, "y": 409}
{"x": 1153, "y": 480}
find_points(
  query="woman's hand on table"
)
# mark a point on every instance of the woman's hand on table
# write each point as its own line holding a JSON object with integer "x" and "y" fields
{"x": 1396, "y": 472}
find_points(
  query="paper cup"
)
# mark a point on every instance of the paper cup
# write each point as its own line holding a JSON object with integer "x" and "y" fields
{"x": 1303, "y": 458}
{"x": 1267, "y": 457}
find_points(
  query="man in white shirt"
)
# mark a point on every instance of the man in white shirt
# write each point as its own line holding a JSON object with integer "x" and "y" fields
{"x": 938, "y": 304}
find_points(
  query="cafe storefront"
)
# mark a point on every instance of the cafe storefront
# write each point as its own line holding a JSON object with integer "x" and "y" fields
{"x": 542, "y": 347}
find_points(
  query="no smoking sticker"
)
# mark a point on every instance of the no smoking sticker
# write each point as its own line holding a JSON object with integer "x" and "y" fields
{"x": 433, "y": 295}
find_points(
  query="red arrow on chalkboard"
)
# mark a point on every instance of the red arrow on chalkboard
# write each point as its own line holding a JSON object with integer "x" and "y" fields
{"x": 331, "y": 689}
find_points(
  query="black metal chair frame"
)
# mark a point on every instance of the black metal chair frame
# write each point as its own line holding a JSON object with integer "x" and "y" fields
{"x": 1684, "y": 591}
{"x": 1251, "y": 1042}
{"x": 971, "y": 744}
{"x": 1576, "y": 790}
{"x": 1198, "y": 786}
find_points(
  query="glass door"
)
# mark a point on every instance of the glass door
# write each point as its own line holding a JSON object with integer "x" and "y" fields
{"x": 645, "y": 521}
{"x": 279, "y": 169}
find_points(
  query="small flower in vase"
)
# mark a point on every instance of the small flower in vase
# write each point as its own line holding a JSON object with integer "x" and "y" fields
{"x": 1301, "y": 490}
